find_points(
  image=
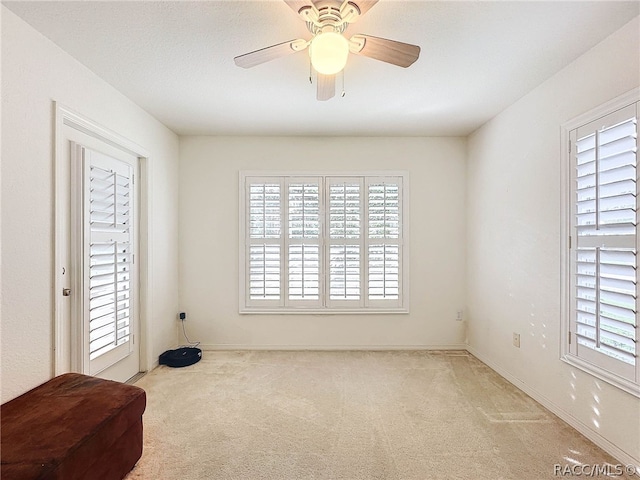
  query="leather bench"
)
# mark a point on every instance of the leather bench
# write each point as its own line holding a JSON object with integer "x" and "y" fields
{"x": 72, "y": 427}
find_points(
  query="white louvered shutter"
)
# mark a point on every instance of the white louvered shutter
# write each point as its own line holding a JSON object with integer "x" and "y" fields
{"x": 345, "y": 221}
{"x": 264, "y": 243}
{"x": 384, "y": 244}
{"x": 604, "y": 260}
{"x": 303, "y": 242}
{"x": 108, "y": 246}
{"x": 323, "y": 243}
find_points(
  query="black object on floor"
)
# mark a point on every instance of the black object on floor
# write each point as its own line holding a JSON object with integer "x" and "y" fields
{"x": 181, "y": 357}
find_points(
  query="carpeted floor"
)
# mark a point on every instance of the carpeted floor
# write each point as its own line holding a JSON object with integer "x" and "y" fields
{"x": 349, "y": 415}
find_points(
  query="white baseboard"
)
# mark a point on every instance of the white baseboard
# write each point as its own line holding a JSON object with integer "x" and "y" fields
{"x": 620, "y": 455}
{"x": 229, "y": 346}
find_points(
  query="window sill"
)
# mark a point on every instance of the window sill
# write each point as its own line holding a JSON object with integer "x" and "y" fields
{"x": 324, "y": 311}
{"x": 608, "y": 377}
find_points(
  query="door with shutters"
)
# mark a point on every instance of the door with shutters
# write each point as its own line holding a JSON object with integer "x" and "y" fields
{"x": 104, "y": 233}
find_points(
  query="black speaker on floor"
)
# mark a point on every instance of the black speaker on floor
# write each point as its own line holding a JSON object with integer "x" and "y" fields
{"x": 181, "y": 357}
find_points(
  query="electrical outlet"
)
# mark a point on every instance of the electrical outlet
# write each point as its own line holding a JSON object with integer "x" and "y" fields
{"x": 459, "y": 316}
{"x": 516, "y": 340}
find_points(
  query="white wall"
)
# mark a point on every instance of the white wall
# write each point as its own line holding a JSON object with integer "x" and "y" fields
{"x": 209, "y": 171}
{"x": 513, "y": 243}
{"x": 36, "y": 72}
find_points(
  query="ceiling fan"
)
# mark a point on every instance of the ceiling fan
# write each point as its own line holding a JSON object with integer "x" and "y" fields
{"x": 328, "y": 48}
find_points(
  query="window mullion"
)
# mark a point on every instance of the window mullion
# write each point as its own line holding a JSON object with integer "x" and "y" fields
{"x": 364, "y": 267}
{"x": 597, "y": 289}
{"x": 323, "y": 258}
{"x": 364, "y": 228}
{"x": 597, "y": 178}
{"x": 284, "y": 241}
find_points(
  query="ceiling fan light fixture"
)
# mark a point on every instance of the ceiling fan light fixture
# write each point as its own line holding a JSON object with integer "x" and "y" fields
{"x": 329, "y": 52}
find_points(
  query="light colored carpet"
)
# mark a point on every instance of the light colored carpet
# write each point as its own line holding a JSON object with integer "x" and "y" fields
{"x": 348, "y": 415}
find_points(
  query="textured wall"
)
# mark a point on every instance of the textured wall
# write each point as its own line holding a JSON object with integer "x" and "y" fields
{"x": 514, "y": 256}
{"x": 209, "y": 171}
{"x": 34, "y": 73}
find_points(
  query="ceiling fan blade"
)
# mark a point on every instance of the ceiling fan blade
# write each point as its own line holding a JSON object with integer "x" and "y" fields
{"x": 389, "y": 51}
{"x": 326, "y": 86}
{"x": 263, "y": 55}
{"x": 297, "y": 5}
{"x": 364, "y": 5}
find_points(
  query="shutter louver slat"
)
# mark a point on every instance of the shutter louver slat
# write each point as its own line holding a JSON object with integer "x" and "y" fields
{"x": 587, "y": 168}
{"x": 611, "y": 299}
{"x": 623, "y": 201}
{"x": 617, "y": 175}
{"x": 618, "y": 160}
{"x": 617, "y": 146}
{"x": 618, "y": 313}
{"x": 585, "y": 145}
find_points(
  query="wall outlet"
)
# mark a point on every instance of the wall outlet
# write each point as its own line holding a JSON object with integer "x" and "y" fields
{"x": 459, "y": 316}
{"x": 516, "y": 340}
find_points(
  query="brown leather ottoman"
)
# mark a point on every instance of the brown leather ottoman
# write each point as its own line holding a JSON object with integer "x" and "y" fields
{"x": 72, "y": 427}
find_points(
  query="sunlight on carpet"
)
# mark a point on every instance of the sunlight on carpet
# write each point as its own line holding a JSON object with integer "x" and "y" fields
{"x": 348, "y": 415}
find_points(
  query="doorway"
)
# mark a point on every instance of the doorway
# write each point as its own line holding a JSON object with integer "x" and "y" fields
{"x": 100, "y": 285}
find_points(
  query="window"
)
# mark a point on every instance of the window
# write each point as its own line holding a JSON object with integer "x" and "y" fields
{"x": 601, "y": 281}
{"x": 323, "y": 243}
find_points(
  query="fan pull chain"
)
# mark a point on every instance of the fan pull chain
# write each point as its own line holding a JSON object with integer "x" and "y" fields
{"x": 310, "y": 72}
{"x": 343, "y": 92}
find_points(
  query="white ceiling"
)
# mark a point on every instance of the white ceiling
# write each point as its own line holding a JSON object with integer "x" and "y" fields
{"x": 175, "y": 60}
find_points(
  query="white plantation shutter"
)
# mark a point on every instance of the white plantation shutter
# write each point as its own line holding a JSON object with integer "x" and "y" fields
{"x": 264, "y": 244}
{"x": 264, "y": 272}
{"x": 303, "y": 241}
{"x": 346, "y": 240}
{"x": 384, "y": 246}
{"x": 604, "y": 258}
{"x": 322, "y": 242}
{"x": 107, "y": 243}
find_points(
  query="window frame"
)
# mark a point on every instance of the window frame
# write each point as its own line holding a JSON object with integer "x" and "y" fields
{"x": 326, "y": 306}
{"x": 601, "y": 368}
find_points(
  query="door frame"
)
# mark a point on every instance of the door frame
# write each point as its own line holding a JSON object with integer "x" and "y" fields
{"x": 63, "y": 361}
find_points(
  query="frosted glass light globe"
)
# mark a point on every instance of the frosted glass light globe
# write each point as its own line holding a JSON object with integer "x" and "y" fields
{"x": 329, "y": 52}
